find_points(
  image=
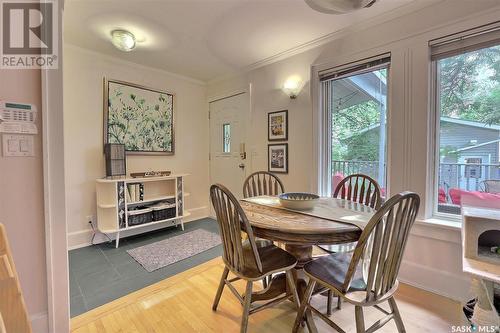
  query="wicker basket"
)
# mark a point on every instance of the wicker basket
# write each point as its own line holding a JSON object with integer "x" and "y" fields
{"x": 140, "y": 215}
{"x": 164, "y": 211}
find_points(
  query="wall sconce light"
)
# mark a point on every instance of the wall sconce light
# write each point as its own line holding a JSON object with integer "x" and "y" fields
{"x": 292, "y": 86}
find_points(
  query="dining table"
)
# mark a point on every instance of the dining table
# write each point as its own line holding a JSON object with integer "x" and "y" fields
{"x": 331, "y": 221}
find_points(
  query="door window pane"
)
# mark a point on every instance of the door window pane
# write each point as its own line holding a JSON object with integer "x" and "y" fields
{"x": 226, "y": 138}
{"x": 358, "y": 108}
{"x": 468, "y": 102}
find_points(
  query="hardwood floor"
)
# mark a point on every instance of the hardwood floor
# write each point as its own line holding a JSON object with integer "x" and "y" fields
{"x": 183, "y": 303}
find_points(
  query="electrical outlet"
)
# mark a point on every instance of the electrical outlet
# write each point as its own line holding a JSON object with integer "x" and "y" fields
{"x": 90, "y": 218}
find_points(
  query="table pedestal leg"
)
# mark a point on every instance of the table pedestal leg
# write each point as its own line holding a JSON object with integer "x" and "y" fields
{"x": 303, "y": 253}
{"x": 275, "y": 288}
{"x": 278, "y": 285}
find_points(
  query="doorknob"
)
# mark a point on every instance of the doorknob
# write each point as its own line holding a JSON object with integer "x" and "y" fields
{"x": 241, "y": 166}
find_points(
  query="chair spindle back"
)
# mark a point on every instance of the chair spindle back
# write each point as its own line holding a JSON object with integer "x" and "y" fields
{"x": 359, "y": 188}
{"x": 385, "y": 238}
{"x": 262, "y": 183}
{"x": 490, "y": 186}
{"x": 232, "y": 221}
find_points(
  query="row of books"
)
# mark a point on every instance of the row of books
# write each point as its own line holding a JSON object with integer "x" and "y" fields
{"x": 135, "y": 192}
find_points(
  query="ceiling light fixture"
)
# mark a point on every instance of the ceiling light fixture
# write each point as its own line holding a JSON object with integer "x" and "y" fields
{"x": 123, "y": 40}
{"x": 292, "y": 86}
{"x": 338, "y": 6}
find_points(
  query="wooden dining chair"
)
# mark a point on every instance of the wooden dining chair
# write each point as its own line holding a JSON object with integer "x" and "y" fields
{"x": 244, "y": 258}
{"x": 367, "y": 276}
{"x": 262, "y": 183}
{"x": 359, "y": 188}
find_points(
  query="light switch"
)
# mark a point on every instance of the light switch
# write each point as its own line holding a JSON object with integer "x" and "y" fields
{"x": 24, "y": 146}
{"x": 13, "y": 145}
{"x": 18, "y": 145}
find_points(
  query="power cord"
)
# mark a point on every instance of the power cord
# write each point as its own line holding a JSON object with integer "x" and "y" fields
{"x": 94, "y": 233}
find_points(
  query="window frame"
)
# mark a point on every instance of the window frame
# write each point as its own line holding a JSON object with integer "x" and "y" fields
{"x": 379, "y": 62}
{"x": 457, "y": 42}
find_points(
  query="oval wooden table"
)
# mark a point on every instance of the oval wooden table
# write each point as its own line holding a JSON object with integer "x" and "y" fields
{"x": 299, "y": 231}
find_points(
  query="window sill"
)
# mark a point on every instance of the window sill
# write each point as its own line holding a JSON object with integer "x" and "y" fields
{"x": 442, "y": 222}
{"x": 439, "y": 228}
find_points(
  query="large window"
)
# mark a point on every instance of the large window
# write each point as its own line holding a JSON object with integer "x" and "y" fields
{"x": 468, "y": 106}
{"x": 355, "y": 105}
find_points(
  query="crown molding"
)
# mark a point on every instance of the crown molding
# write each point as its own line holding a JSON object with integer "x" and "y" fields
{"x": 376, "y": 20}
{"x": 315, "y": 43}
{"x": 132, "y": 64}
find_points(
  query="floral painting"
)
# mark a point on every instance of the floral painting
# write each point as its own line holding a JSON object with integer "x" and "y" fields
{"x": 140, "y": 118}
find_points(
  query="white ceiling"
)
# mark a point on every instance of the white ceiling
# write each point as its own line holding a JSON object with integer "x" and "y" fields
{"x": 207, "y": 39}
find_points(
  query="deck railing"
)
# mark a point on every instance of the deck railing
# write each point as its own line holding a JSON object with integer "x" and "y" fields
{"x": 468, "y": 177}
{"x": 451, "y": 175}
{"x": 369, "y": 168}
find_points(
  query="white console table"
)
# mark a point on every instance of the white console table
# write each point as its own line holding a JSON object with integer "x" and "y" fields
{"x": 113, "y": 203}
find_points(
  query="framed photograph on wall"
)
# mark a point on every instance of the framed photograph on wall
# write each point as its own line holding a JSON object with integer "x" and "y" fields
{"x": 277, "y": 125}
{"x": 139, "y": 117}
{"x": 277, "y": 158}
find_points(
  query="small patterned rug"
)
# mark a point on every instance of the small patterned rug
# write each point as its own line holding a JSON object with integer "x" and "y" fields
{"x": 171, "y": 250}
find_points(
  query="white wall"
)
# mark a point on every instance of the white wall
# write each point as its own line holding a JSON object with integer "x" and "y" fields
{"x": 21, "y": 200}
{"x": 83, "y": 128}
{"x": 266, "y": 96}
{"x": 433, "y": 256}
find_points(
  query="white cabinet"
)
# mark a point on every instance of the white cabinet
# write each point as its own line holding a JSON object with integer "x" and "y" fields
{"x": 117, "y": 198}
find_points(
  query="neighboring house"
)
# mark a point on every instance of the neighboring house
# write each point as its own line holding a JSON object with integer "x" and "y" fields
{"x": 469, "y": 139}
{"x": 470, "y": 151}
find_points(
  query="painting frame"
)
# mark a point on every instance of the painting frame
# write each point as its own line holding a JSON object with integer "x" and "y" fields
{"x": 106, "y": 113}
{"x": 272, "y": 136}
{"x": 284, "y": 166}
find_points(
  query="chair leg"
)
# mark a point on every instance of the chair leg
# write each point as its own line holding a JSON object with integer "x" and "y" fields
{"x": 397, "y": 315}
{"x": 329, "y": 303}
{"x": 339, "y": 303}
{"x": 222, "y": 284}
{"x": 246, "y": 307}
{"x": 360, "y": 320}
{"x": 303, "y": 305}
{"x": 293, "y": 289}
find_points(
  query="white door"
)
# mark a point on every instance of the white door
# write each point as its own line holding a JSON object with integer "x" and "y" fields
{"x": 472, "y": 172}
{"x": 227, "y": 142}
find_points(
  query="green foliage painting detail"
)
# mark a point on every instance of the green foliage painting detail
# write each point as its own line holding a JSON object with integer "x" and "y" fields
{"x": 139, "y": 118}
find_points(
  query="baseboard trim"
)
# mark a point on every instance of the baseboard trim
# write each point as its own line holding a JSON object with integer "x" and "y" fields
{"x": 40, "y": 322}
{"x": 82, "y": 238}
{"x": 443, "y": 283}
